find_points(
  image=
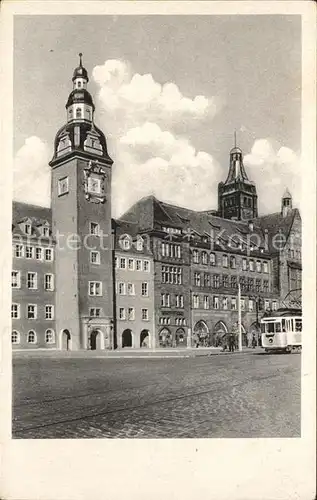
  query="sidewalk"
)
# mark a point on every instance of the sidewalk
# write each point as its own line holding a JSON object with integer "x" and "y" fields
{"x": 134, "y": 353}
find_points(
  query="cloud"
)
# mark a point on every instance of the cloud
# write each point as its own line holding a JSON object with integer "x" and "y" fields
{"x": 273, "y": 169}
{"x": 151, "y": 156}
{"x": 31, "y": 173}
{"x": 157, "y": 162}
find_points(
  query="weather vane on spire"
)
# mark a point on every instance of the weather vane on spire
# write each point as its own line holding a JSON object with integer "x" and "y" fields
{"x": 80, "y": 56}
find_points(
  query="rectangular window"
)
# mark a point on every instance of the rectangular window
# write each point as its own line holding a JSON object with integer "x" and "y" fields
{"x": 212, "y": 259}
{"x": 121, "y": 313}
{"x": 244, "y": 264}
{"x": 195, "y": 301}
{"x": 46, "y": 231}
{"x": 265, "y": 267}
{"x": 225, "y": 303}
{"x": 29, "y": 252}
{"x": 49, "y": 312}
{"x": 139, "y": 265}
{"x": 265, "y": 286}
{"x": 257, "y": 285}
{"x": 131, "y": 264}
{"x": 233, "y": 303}
{"x": 225, "y": 281}
{"x": 116, "y": 262}
{"x": 146, "y": 266}
{"x": 95, "y": 312}
{"x": 216, "y": 281}
{"x": 258, "y": 266}
{"x": 242, "y": 304}
{"x": 216, "y": 302}
{"x": 207, "y": 280}
{"x": 63, "y": 186}
{"x": 94, "y": 257}
{"x": 195, "y": 256}
{"x": 39, "y": 253}
{"x": 179, "y": 301}
{"x": 274, "y": 305}
{"x": 131, "y": 289}
{"x": 234, "y": 282}
{"x": 131, "y": 313}
{"x": 49, "y": 282}
{"x": 204, "y": 258}
{"x": 251, "y": 265}
{"x": 18, "y": 251}
{"x": 121, "y": 288}
{"x": 251, "y": 305}
{"x": 145, "y": 289}
{"x": 15, "y": 279}
{"x": 197, "y": 280}
{"x": 94, "y": 228}
{"x": 15, "y": 311}
{"x": 232, "y": 262}
{"x": 225, "y": 261}
{"x": 206, "y": 302}
{"x": 48, "y": 254}
{"x": 145, "y": 314}
{"x": 31, "y": 282}
{"x": 31, "y": 311}
{"x": 165, "y": 300}
{"x": 123, "y": 263}
{"x": 28, "y": 229}
{"x": 266, "y": 305}
{"x": 95, "y": 288}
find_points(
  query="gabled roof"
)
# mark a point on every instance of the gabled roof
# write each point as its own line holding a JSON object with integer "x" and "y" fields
{"x": 276, "y": 223}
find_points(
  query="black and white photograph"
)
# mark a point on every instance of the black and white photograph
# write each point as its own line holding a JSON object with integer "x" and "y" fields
{"x": 157, "y": 229}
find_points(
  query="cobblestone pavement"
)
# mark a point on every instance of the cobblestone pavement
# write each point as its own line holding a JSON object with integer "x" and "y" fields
{"x": 237, "y": 395}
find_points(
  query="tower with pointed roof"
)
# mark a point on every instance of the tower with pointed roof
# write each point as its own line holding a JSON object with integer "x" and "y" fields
{"x": 81, "y": 219}
{"x": 287, "y": 203}
{"x": 237, "y": 197}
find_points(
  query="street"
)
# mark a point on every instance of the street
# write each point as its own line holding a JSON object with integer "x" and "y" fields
{"x": 238, "y": 395}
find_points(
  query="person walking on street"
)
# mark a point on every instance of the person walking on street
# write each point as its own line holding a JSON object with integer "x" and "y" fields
{"x": 253, "y": 341}
{"x": 231, "y": 342}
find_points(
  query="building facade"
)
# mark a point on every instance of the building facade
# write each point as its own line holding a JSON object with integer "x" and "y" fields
{"x": 159, "y": 276}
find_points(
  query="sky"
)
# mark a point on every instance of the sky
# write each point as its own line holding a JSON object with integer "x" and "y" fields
{"x": 169, "y": 93}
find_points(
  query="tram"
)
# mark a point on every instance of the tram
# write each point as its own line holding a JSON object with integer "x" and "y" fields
{"x": 282, "y": 331}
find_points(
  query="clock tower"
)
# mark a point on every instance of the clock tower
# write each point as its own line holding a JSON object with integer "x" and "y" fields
{"x": 237, "y": 197}
{"x": 81, "y": 217}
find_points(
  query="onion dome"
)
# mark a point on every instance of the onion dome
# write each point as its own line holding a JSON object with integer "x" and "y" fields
{"x": 78, "y": 96}
{"x": 80, "y": 71}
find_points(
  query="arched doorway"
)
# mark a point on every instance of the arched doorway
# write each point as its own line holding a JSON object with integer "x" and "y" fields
{"x": 96, "y": 340}
{"x": 66, "y": 340}
{"x": 180, "y": 338}
{"x": 201, "y": 334}
{"x": 220, "y": 333}
{"x": 144, "y": 338}
{"x": 165, "y": 338}
{"x": 127, "y": 338}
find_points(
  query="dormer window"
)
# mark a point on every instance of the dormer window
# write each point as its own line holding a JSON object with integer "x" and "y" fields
{"x": 27, "y": 228}
{"x": 46, "y": 231}
{"x": 139, "y": 244}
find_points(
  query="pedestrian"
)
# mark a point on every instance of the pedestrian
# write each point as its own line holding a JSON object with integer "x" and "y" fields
{"x": 231, "y": 342}
{"x": 253, "y": 341}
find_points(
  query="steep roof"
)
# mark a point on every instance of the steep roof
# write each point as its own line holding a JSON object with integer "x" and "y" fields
{"x": 38, "y": 216}
{"x": 276, "y": 223}
{"x": 150, "y": 213}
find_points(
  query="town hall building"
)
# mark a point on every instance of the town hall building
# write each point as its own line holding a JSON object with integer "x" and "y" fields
{"x": 159, "y": 276}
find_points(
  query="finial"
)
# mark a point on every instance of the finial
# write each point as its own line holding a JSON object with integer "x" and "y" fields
{"x": 235, "y": 138}
{"x": 80, "y": 56}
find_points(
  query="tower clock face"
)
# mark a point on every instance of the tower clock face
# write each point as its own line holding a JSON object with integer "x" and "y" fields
{"x": 94, "y": 184}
